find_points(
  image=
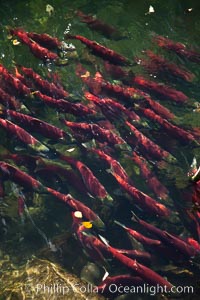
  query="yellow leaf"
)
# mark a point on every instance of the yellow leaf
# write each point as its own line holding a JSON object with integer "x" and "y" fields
{"x": 16, "y": 42}
{"x": 87, "y": 74}
{"x": 87, "y": 224}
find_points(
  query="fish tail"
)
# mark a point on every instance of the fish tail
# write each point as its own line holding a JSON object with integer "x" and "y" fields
{"x": 70, "y": 36}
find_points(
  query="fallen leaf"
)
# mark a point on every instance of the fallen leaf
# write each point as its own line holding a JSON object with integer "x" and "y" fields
{"x": 87, "y": 224}
{"x": 87, "y": 74}
{"x": 151, "y": 10}
{"x": 78, "y": 214}
{"x": 49, "y": 9}
{"x": 16, "y": 42}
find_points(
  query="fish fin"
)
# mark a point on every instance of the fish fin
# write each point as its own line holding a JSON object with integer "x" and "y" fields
{"x": 70, "y": 150}
{"x": 52, "y": 246}
{"x": 103, "y": 240}
{"x": 109, "y": 202}
{"x": 90, "y": 195}
{"x": 120, "y": 224}
{"x": 90, "y": 144}
{"x": 85, "y": 252}
{"x": 24, "y": 109}
{"x": 86, "y": 233}
{"x": 134, "y": 217}
{"x": 194, "y": 163}
{"x": 20, "y": 148}
{"x": 195, "y": 177}
{"x": 109, "y": 171}
{"x": 169, "y": 235}
{"x": 106, "y": 274}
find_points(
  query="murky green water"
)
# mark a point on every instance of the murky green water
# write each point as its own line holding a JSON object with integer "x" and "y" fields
{"x": 45, "y": 219}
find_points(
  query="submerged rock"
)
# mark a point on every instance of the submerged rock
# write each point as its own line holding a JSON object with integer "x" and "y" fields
{"x": 91, "y": 273}
{"x": 41, "y": 279}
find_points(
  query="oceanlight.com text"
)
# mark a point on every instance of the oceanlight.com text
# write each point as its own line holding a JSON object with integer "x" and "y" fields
{"x": 149, "y": 289}
{"x": 61, "y": 289}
